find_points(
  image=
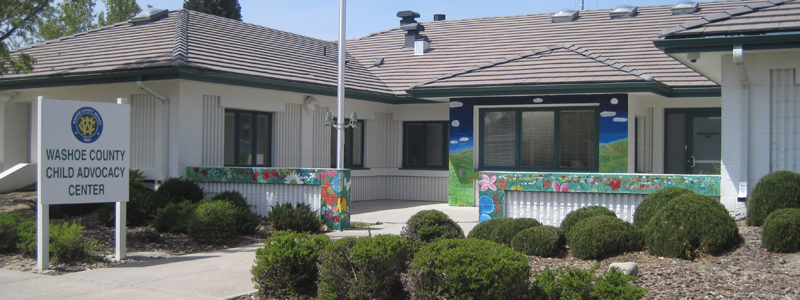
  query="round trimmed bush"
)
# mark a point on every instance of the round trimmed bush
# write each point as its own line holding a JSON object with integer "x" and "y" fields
{"x": 544, "y": 241}
{"x": 690, "y": 224}
{"x": 782, "y": 231}
{"x": 180, "y": 189}
{"x": 581, "y": 214}
{"x": 506, "y": 231}
{"x": 468, "y": 269}
{"x": 174, "y": 217}
{"x": 431, "y": 225}
{"x": 233, "y": 197}
{"x": 214, "y": 223}
{"x": 363, "y": 268}
{"x": 300, "y": 219}
{"x": 603, "y": 236}
{"x": 287, "y": 264}
{"x": 774, "y": 191}
{"x": 485, "y": 230}
{"x": 655, "y": 201}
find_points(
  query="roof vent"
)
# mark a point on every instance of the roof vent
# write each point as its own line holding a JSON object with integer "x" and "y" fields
{"x": 407, "y": 16}
{"x": 439, "y": 17}
{"x": 685, "y": 7}
{"x": 624, "y": 11}
{"x": 565, "y": 15}
{"x": 149, "y": 15}
{"x": 410, "y": 25}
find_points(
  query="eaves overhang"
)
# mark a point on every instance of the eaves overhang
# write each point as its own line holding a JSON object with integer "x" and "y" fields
{"x": 202, "y": 76}
{"x": 726, "y": 43}
{"x": 570, "y": 88}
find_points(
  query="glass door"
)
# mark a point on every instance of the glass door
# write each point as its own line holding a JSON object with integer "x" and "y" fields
{"x": 693, "y": 141}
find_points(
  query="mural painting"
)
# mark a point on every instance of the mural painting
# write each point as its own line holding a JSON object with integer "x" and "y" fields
{"x": 613, "y": 135}
{"x": 494, "y": 184}
{"x": 334, "y": 186}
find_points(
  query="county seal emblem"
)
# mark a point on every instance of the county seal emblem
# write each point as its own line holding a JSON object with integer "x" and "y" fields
{"x": 87, "y": 124}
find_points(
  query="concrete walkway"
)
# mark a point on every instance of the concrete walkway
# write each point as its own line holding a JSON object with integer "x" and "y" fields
{"x": 212, "y": 275}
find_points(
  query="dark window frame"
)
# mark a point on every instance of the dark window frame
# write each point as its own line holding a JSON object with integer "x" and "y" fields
{"x": 445, "y": 145}
{"x": 348, "y": 158}
{"x": 557, "y": 139}
{"x": 237, "y": 130}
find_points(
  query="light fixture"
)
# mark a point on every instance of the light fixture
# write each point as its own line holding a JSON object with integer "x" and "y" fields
{"x": 353, "y": 121}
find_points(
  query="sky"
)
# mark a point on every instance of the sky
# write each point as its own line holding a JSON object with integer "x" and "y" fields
{"x": 320, "y": 18}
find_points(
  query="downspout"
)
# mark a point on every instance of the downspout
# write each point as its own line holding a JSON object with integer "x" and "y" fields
{"x": 744, "y": 122}
{"x": 165, "y": 101}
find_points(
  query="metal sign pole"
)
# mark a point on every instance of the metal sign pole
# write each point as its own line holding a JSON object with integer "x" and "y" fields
{"x": 340, "y": 89}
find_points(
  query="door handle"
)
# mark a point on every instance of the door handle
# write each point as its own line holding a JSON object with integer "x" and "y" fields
{"x": 694, "y": 161}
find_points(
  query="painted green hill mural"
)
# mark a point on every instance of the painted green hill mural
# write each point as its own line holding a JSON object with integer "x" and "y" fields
{"x": 614, "y": 157}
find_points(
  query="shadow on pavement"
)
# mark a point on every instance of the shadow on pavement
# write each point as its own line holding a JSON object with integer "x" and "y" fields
{"x": 361, "y": 207}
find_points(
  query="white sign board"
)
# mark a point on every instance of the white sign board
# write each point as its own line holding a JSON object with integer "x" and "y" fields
{"x": 84, "y": 152}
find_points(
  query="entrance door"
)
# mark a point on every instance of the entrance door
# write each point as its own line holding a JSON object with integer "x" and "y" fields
{"x": 693, "y": 141}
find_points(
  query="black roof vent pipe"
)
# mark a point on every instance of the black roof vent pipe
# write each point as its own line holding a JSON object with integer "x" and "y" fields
{"x": 408, "y": 17}
{"x": 439, "y": 17}
{"x": 410, "y": 25}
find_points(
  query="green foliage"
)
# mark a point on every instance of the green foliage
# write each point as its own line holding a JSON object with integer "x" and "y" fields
{"x": 67, "y": 17}
{"x": 578, "y": 284}
{"x": 246, "y": 221}
{"x": 655, "y": 201}
{"x": 363, "y": 268}
{"x": 233, "y": 197}
{"x": 175, "y": 217}
{"x": 66, "y": 243}
{"x": 118, "y": 11}
{"x": 603, "y": 236}
{"x": 58, "y": 211}
{"x": 143, "y": 203}
{"x": 10, "y": 225}
{"x": 485, "y": 230}
{"x": 179, "y": 189}
{"x": 300, "y": 219}
{"x": 431, "y": 225}
{"x": 690, "y": 224}
{"x": 506, "y": 231}
{"x": 214, "y": 223}
{"x": 468, "y": 269}
{"x": 578, "y": 215}
{"x": 224, "y": 8}
{"x": 782, "y": 231}
{"x": 545, "y": 241}
{"x": 774, "y": 191}
{"x": 287, "y": 264}
{"x": 18, "y": 19}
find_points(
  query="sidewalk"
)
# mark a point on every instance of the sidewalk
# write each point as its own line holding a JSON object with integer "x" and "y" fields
{"x": 211, "y": 275}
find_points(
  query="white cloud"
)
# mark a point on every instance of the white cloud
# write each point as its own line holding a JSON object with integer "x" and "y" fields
{"x": 608, "y": 113}
{"x": 453, "y": 142}
{"x": 621, "y": 120}
{"x": 614, "y": 101}
{"x": 455, "y": 104}
{"x": 538, "y": 100}
{"x": 464, "y": 139}
{"x": 456, "y": 123}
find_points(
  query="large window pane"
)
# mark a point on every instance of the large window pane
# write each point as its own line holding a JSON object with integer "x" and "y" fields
{"x": 578, "y": 136}
{"x": 435, "y": 144}
{"x": 262, "y": 139}
{"x": 353, "y": 145}
{"x": 499, "y": 138}
{"x": 357, "y": 139}
{"x": 245, "y": 139}
{"x": 230, "y": 138}
{"x": 413, "y": 140}
{"x": 538, "y": 139}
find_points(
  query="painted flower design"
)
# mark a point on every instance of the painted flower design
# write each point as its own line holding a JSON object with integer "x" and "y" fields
{"x": 293, "y": 178}
{"x": 487, "y": 183}
{"x": 342, "y": 204}
{"x": 563, "y": 188}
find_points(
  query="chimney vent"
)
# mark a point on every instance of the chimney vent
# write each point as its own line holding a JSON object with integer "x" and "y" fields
{"x": 685, "y": 8}
{"x": 410, "y": 25}
{"x": 407, "y": 16}
{"x": 421, "y": 45}
{"x": 624, "y": 11}
{"x": 439, "y": 17}
{"x": 565, "y": 15}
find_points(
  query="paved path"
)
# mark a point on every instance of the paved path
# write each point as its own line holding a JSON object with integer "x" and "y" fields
{"x": 211, "y": 275}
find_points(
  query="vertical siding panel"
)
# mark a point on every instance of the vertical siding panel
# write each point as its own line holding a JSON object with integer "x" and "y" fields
{"x": 213, "y": 131}
{"x": 143, "y": 131}
{"x": 263, "y": 196}
{"x": 322, "y": 140}
{"x": 785, "y": 118}
{"x": 551, "y": 208}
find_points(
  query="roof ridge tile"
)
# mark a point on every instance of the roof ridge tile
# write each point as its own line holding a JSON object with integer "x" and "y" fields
{"x": 180, "y": 50}
{"x": 723, "y": 16}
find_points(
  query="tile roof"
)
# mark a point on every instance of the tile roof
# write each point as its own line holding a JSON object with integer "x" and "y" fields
{"x": 753, "y": 18}
{"x": 459, "y": 44}
{"x": 198, "y": 41}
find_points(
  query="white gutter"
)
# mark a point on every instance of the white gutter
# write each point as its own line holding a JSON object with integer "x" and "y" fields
{"x": 166, "y": 103}
{"x": 744, "y": 120}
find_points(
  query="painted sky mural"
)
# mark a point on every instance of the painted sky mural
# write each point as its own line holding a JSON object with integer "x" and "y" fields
{"x": 613, "y": 134}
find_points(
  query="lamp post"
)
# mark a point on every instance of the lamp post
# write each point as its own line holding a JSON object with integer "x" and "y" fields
{"x": 340, "y": 89}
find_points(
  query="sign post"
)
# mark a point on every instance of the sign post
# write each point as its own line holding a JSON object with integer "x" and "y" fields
{"x": 83, "y": 157}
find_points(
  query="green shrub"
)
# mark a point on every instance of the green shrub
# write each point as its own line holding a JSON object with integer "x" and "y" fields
{"x": 175, "y": 217}
{"x": 66, "y": 244}
{"x": 299, "y": 219}
{"x": 287, "y": 264}
{"x": 774, "y": 191}
{"x": 506, "y": 231}
{"x": 214, "y": 223}
{"x": 545, "y": 241}
{"x": 246, "y": 221}
{"x": 233, "y": 197}
{"x": 180, "y": 189}
{"x": 143, "y": 203}
{"x": 655, "y": 201}
{"x": 690, "y": 224}
{"x": 581, "y": 214}
{"x": 59, "y": 211}
{"x": 782, "y": 231}
{"x": 577, "y": 284}
{"x": 431, "y": 225}
{"x": 10, "y": 225}
{"x": 485, "y": 230}
{"x": 363, "y": 268}
{"x": 468, "y": 269}
{"x": 603, "y": 236}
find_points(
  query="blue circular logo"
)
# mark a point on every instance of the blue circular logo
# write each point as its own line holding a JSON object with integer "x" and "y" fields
{"x": 87, "y": 125}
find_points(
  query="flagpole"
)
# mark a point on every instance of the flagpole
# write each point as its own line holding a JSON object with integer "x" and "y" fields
{"x": 340, "y": 90}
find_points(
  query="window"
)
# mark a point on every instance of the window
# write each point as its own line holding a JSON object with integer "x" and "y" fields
{"x": 539, "y": 139}
{"x": 424, "y": 145}
{"x": 248, "y": 138}
{"x": 353, "y": 145}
